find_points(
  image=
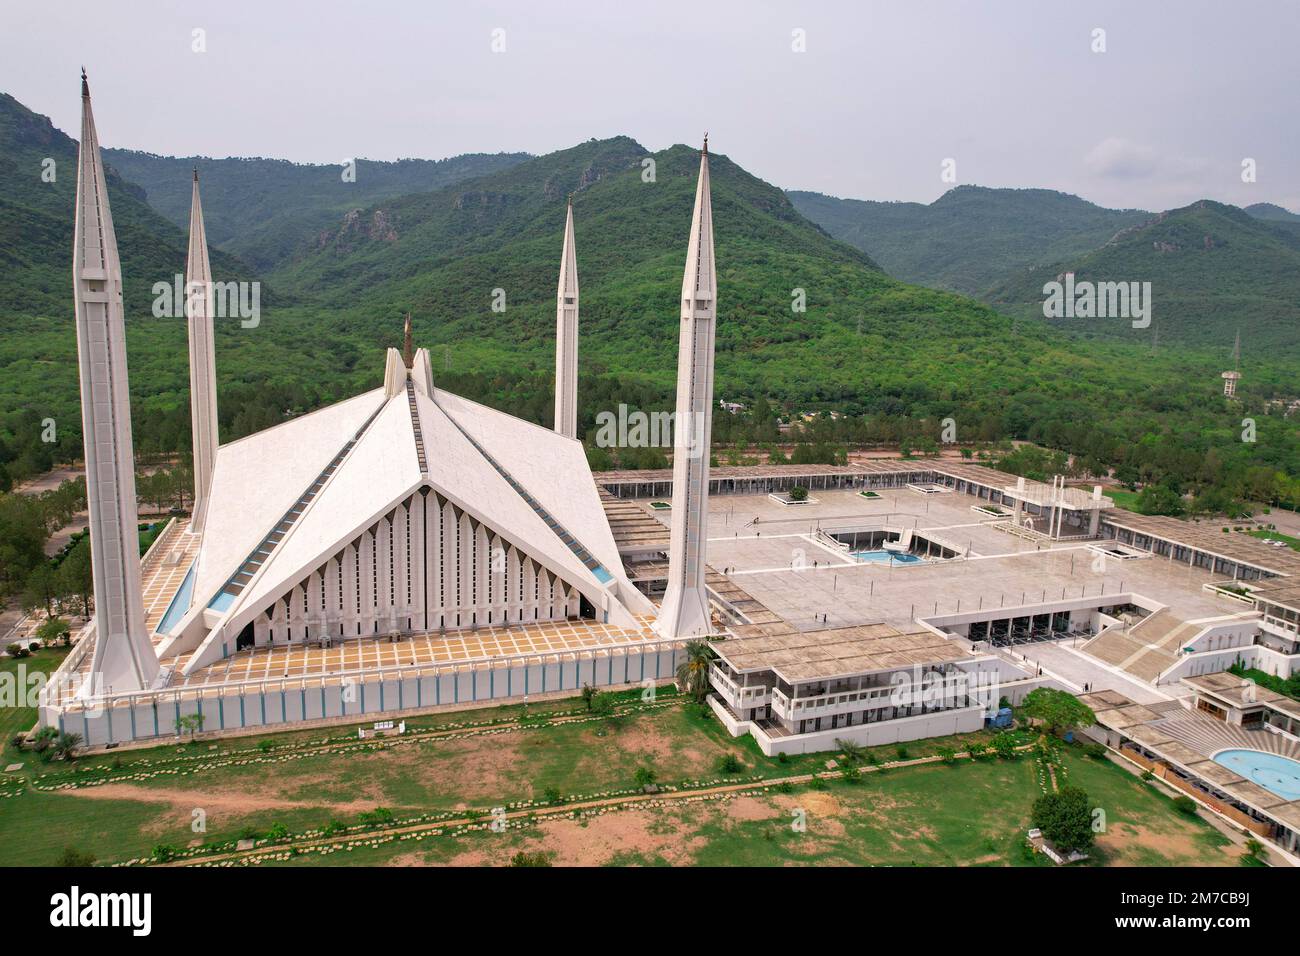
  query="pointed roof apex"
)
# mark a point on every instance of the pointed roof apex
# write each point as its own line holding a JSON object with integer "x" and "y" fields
{"x": 408, "y": 353}
{"x": 196, "y": 174}
{"x": 570, "y": 200}
{"x": 705, "y": 151}
{"x": 85, "y": 87}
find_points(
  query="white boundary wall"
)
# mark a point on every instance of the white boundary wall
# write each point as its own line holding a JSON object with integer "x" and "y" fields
{"x": 277, "y": 705}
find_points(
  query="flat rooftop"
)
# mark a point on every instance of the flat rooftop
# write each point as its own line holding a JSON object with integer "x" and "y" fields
{"x": 1285, "y": 595}
{"x": 1209, "y": 536}
{"x": 1240, "y": 692}
{"x": 779, "y": 556}
{"x": 838, "y": 652}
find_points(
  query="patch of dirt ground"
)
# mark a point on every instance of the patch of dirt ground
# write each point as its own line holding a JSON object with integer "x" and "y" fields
{"x": 216, "y": 803}
{"x": 602, "y": 838}
{"x": 1182, "y": 848}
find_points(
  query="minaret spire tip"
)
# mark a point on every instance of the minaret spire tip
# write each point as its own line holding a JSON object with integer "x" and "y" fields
{"x": 196, "y": 174}
{"x": 85, "y": 86}
{"x": 408, "y": 353}
{"x": 706, "y": 144}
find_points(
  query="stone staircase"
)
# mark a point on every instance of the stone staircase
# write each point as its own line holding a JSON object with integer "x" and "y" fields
{"x": 1146, "y": 649}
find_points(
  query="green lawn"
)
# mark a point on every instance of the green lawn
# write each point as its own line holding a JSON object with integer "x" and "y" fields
{"x": 1290, "y": 540}
{"x": 1122, "y": 498}
{"x": 966, "y": 814}
{"x": 13, "y": 718}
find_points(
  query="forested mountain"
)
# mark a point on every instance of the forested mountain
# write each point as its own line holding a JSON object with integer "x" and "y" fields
{"x": 1272, "y": 212}
{"x": 263, "y": 210}
{"x": 970, "y": 238}
{"x": 36, "y": 220}
{"x": 805, "y": 322}
{"x": 1213, "y": 269}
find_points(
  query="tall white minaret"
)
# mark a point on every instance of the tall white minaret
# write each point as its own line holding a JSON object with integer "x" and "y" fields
{"x": 566, "y": 336}
{"x": 124, "y": 658}
{"x": 685, "y": 608}
{"x": 203, "y": 364}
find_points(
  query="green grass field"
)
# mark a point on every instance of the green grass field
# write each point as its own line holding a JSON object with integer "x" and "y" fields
{"x": 15, "y": 673}
{"x": 970, "y": 813}
{"x": 1122, "y": 498}
{"x": 1289, "y": 540}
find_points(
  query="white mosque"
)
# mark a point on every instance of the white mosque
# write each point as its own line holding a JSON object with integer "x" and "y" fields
{"x": 406, "y": 541}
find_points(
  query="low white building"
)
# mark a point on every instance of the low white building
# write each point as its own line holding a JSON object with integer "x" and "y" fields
{"x": 801, "y": 692}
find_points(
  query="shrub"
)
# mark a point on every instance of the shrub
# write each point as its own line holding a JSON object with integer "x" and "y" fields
{"x": 552, "y": 795}
{"x": 163, "y": 852}
{"x": 644, "y": 777}
{"x": 729, "y": 764}
{"x": 1095, "y": 751}
{"x": 1004, "y": 745}
{"x": 526, "y": 859}
{"x": 901, "y": 751}
{"x": 34, "y": 646}
{"x": 817, "y": 783}
{"x": 379, "y": 815}
{"x": 947, "y": 755}
{"x": 278, "y": 831}
{"x": 71, "y": 856}
{"x": 1185, "y": 805}
{"x": 798, "y": 493}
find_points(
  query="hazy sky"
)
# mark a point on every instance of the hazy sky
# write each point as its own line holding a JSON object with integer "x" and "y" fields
{"x": 885, "y": 92}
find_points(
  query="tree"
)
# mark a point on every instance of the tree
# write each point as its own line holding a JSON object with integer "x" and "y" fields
{"x": 76, "y": 576}
{"x": 693, "y": 673}
{"x": 1159, "y": 500}
{"x": 41, "y": 588}
{"x": 51, "y": 630}
{"x": 1059, "y": 711}
{"x": 588, "y": 695}
{"x": 798, "y": 493}
{"x": 1065, "y": 818}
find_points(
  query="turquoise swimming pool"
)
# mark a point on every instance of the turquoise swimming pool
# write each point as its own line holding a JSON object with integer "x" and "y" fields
{"x": 882, "y": 557}
{"x": 1273, "y": 772}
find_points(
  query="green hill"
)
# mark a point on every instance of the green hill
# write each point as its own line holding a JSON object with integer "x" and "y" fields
{"x": 895, "y": 358}
{"x": 1213, "y": 269}
{"x": 1272, "y": 212}
{"x": 970, "y": 238}
{"x": 36, "y": 220}
{"x": 263, "y": 210}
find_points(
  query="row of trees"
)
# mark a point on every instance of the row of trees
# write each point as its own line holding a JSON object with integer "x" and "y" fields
{"x": 63, "y": 583}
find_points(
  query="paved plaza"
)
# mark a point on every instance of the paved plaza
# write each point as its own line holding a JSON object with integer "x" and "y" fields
{"x": 774, "y": 552}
